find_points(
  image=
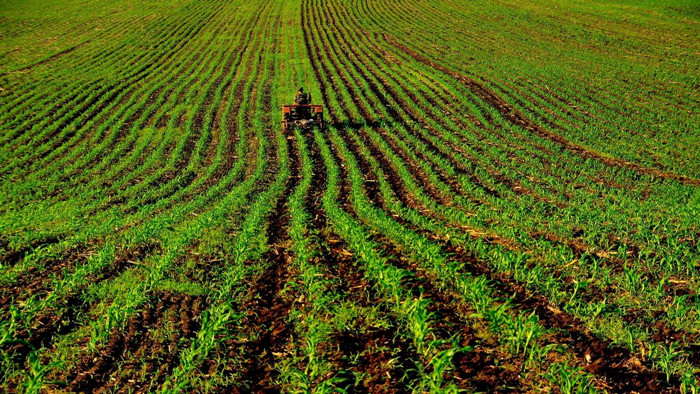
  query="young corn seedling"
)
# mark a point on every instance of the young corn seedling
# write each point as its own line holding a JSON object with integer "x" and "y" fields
{"x": 570, "y": 380}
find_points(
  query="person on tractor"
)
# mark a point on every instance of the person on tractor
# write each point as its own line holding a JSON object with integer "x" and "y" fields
{"x": 302, "y": 98}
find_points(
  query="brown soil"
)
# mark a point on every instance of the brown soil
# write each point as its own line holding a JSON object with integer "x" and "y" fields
{"x": 65, "y": 315}
{"x": 269, "y": 305}
{"x": 620, "y": 370}
{"x": 146, "y": 352}
{"x": 45, "y": 328}
{"x": 37, "y": 280}
{"x": 10, "y": 257}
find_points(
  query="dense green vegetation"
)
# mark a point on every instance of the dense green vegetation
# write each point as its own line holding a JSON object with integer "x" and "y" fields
{"x": 506, "y": 197}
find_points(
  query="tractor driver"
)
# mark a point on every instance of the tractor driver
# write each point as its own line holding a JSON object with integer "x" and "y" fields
{"x": 302, "y": 98}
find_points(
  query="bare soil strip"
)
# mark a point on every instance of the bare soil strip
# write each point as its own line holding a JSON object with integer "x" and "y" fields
{"x": 616, "y": 366}
{"x": 37, "y": 281}
{"x": 10, "y": 257}
{"x": 268, "y": 311}
{"x": 65, "y": 316}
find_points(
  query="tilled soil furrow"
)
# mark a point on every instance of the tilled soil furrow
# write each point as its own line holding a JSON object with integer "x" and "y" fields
{"x": 37, "y": 280}
{"x": 268, "y": 311}
{"x": 383, "y": 356}
{"x": 616, "y": 365}
{"x": 46, "y": 327}
{"x": 449, "y": 313}
{"x": 141, "y": 356}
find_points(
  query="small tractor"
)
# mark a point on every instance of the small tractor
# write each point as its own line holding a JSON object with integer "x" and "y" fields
{"x": 301, "y": 114}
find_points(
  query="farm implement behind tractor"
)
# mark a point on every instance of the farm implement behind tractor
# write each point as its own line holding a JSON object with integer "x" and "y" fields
{"x": 302, "y": 116}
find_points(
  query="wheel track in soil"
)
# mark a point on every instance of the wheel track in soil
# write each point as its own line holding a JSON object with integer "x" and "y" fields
{"x": 269, "y": 306}
{"x": 268, "y": 311}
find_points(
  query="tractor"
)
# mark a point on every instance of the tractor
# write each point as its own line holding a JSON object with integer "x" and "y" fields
{"x": 302, "y": 114}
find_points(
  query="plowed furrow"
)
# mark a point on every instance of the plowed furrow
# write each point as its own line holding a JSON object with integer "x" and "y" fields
{"x": 385, "y": 359}
{"x": 502, "y": 368}
{"x": 268, "y": 313}
{"x": 149, "y": 344}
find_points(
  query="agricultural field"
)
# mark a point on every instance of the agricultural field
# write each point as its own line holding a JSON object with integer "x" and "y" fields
{"x": 505, "y": 198}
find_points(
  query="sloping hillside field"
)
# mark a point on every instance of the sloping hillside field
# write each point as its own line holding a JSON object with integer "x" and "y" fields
{"x": 505, "y": 196}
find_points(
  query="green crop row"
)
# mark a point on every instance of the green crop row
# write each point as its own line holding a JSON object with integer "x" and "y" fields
{"x": 505, "y": 197}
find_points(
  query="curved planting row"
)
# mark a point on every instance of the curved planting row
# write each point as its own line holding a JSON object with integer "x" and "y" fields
{"x": 463, "y": 223}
